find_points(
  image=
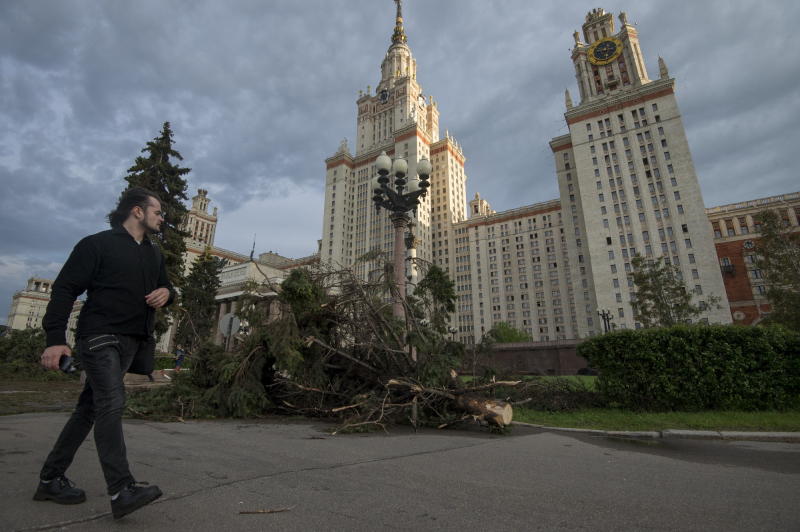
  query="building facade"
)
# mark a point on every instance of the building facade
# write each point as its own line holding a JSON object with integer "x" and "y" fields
{"x": 627, "y": 187}
{"x": 626, "y": 179}
{"x": 512, "y": 266}
{"x": 736, "y": 235}
{"x": 399, "y": 119}
{"x": 28, "y": 307}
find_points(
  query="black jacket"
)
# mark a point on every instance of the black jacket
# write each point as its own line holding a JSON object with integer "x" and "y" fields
{"x": 117, "y": 274}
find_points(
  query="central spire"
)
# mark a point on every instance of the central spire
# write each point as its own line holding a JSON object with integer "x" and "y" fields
{"x": 399, "y": 35}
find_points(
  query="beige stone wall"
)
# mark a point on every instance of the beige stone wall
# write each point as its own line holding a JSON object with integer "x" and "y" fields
{"x": 28, "y": 307}
{"x": 636, "y": 191}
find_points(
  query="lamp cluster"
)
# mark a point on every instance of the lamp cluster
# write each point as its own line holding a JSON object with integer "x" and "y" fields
{"x": 391, "y": 187}
{"x": 607, "y": 316}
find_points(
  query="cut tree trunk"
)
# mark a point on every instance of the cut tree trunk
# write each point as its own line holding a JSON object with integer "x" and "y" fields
{"x": 493, "y": 411}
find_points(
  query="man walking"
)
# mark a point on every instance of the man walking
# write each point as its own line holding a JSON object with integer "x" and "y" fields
{"x": 123, "y": 273}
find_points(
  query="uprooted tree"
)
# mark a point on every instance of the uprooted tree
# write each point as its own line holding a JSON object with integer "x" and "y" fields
{"x": 328, "y": 345}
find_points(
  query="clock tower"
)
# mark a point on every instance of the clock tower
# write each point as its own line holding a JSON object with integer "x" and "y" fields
{"x": 399, "y": 119}
{"x": 398, "y": 100}
{"x": 627, "y": 181}
{"x": 607, "y": 61}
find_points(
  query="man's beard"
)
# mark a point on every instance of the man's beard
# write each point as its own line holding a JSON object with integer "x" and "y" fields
{"x": 150, "y": 231}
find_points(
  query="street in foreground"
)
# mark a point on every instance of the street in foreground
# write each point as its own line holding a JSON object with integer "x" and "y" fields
{"x": 212, "y": 471}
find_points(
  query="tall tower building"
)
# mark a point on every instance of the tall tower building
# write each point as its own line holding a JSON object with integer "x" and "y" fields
{"x": 201, "y": 225}
{"x": 626, "y": 179}
{"x": 401, "y": 120}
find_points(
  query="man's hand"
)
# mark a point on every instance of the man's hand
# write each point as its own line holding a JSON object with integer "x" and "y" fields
{"x": 157, "y": 298}
{"x": 52, "y": 355}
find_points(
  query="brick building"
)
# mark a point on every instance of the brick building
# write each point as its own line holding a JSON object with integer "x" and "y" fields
{"x": 735, "y": 238}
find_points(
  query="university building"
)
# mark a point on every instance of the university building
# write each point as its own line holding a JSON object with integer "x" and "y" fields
{"x": 627, "y": 187}
{"x": 402, "y": 120}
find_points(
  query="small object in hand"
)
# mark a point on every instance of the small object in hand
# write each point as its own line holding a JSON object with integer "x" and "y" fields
{"x": 66, "y": 364}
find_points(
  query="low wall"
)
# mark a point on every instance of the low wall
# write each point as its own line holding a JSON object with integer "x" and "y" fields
{"x": 532, "y": 358}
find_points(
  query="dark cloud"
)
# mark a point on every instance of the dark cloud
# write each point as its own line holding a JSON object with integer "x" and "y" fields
{"x": 260, "y": 93}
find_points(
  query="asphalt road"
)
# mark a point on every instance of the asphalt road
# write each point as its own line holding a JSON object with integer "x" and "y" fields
{"x": 430, "y": 480}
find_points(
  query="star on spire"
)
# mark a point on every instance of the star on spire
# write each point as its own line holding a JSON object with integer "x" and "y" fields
{"x": 399, "y": 35}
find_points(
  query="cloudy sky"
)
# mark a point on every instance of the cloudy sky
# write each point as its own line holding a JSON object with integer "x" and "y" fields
{"x": 260, "y": 92}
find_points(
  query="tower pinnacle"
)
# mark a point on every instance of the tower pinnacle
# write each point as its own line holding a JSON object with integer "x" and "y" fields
{"x": 399, "y": 35}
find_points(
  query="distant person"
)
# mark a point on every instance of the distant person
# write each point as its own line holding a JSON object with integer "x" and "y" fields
{"x": 180, "y": 354}
{"x": 123, "y": 273}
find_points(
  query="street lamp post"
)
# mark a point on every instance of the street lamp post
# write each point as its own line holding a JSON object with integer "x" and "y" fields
{"x": 452, "y": 330}
{"x": 606, "y": 316}
{"x": 399, "y": 195}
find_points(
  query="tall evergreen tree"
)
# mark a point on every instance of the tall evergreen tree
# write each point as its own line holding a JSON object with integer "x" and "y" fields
{"x": 156, "y": 172}
{"x": 779, "y": 261}
{"x": 198, "y": 304}
{"x": 437, "y": 293}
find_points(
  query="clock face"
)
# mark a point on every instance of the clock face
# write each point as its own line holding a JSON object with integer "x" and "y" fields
{"x": 605, "y": 50}
{"x": 384, "y": 96}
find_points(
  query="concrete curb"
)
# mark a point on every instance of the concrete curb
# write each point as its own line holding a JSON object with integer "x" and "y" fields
{"x": 673, "y": 434}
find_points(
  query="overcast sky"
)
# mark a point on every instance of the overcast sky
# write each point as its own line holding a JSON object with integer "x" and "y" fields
{"x": 260, "y": 92}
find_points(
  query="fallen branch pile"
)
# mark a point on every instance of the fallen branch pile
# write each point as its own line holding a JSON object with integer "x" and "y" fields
{"x": 329, "y": 346}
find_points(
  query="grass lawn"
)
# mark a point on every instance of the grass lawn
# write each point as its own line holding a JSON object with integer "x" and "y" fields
{"x": 21, "y": 396}
{"x": 613, "y": 419}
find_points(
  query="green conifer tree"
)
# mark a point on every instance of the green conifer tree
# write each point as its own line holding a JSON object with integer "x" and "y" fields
{"x": 198, "y": 304}
{"x": 156, "y": 172}
{"x": 437, "y": 293}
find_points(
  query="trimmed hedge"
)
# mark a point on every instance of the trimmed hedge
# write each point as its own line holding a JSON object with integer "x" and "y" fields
{"x": 697, "y": 367}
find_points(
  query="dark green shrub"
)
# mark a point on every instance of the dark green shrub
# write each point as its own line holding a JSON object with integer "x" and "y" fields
{"x": 697, "y": 367}
{"x": 20, "y": 355}
{"x": 551, "y": 394}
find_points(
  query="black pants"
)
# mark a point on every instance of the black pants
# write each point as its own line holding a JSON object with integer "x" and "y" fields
{"x": 105, "y": 359}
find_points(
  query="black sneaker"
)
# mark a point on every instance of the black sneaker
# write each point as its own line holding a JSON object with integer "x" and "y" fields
{"x": 132, "y": 497}
{"x": 61, "y": 490}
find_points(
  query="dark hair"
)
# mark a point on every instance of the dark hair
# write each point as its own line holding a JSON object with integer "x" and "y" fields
{"x": 133, "y": 197}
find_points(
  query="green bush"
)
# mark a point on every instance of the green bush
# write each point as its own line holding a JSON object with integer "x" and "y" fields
{"x": 697, "y": 367}
{"x": 552, "y": 394}
{"x": 20, "y": 356}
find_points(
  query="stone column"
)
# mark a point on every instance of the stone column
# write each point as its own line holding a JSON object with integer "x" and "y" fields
{"x": 400, "y": 222}
{"x": 750, "y": 224}
{"x": 736, "y": 227}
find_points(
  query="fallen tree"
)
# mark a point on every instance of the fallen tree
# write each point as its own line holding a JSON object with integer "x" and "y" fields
{"x": 328, "y": 346}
